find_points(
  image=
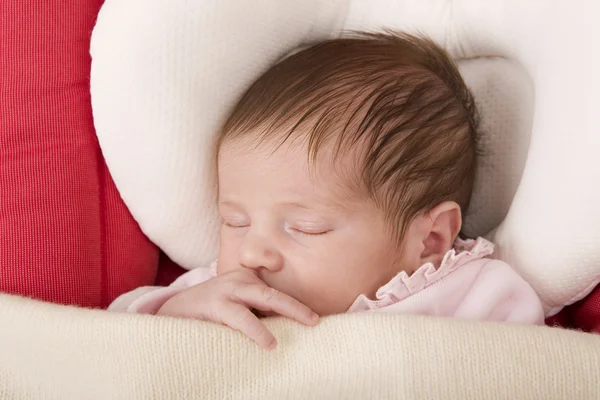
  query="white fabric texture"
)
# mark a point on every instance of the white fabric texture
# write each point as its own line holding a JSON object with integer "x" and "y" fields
{"x": 165, "y": 74}
{"x": 162, "y": 83}
{"x": 54, "y": 352}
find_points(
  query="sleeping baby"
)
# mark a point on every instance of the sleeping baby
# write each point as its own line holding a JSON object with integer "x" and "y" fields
{"x": 343, "y": 175}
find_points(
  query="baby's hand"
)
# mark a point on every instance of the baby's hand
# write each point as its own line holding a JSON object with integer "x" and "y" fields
{"x": 228, "y": 299}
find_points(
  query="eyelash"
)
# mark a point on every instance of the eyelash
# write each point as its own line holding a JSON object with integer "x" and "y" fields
{"x": 309, "y": 233}
{"x": 298, "y": 231}
{"x": 234, "y": 226}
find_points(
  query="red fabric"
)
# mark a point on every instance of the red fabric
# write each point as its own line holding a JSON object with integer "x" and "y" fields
{"x": 168, "y": 271}
{"x": 65, "y": 234}
{"x": 561, "y": 320}
{"x": 583, "y": 315}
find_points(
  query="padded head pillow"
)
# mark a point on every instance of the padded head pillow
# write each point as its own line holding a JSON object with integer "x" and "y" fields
{"x": 164, "y": 77}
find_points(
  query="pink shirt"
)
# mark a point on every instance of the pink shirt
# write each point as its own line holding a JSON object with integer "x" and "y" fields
{"x": 466, "y": 285}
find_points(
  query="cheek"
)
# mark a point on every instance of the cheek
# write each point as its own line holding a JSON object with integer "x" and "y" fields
{"x": 228, "y": 253}
{"x": 365, "y": 263}
{"x": 330, "y": 275}
{"x": 355, "y": 251}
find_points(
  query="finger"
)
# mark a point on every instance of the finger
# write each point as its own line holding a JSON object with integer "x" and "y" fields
{"x": 240, "y": 318}
{"x": 265, "y": 298}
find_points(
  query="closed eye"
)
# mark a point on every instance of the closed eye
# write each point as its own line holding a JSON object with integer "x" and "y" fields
{"x": 310, "y": 233}
{"x": 235, "y": 225}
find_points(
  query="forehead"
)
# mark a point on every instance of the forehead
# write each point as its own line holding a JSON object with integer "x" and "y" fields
{"x": 268, "y": 166}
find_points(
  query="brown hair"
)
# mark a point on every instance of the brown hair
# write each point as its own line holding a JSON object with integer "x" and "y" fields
{"x": 399, "y": 97}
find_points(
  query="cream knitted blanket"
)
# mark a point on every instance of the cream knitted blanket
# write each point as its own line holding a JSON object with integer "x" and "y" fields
{"x": 56, "y": 352}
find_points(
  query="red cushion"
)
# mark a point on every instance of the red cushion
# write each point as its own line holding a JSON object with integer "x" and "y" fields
{"x": 65, "y": 234}
{"x": 583, "y": 315}
{"x": 168, "y": 271}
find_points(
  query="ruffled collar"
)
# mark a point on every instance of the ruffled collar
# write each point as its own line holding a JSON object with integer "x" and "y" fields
{"x": 403, "y": 285}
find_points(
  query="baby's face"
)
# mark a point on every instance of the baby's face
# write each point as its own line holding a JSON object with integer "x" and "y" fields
{"x": 303, "y": 231}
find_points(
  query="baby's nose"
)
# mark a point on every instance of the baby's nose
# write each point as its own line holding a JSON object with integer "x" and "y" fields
{"x": 255, "y": 254}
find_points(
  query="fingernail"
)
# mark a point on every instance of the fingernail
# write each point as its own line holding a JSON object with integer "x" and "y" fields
{"x": 272, "y": 345}
{"x": 314, "y": 316}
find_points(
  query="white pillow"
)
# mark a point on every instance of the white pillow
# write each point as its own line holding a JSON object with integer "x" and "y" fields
{"x": 166, "y": 73}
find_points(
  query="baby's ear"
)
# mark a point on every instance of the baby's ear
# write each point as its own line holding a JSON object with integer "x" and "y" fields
{"x": 444, "y": 223}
